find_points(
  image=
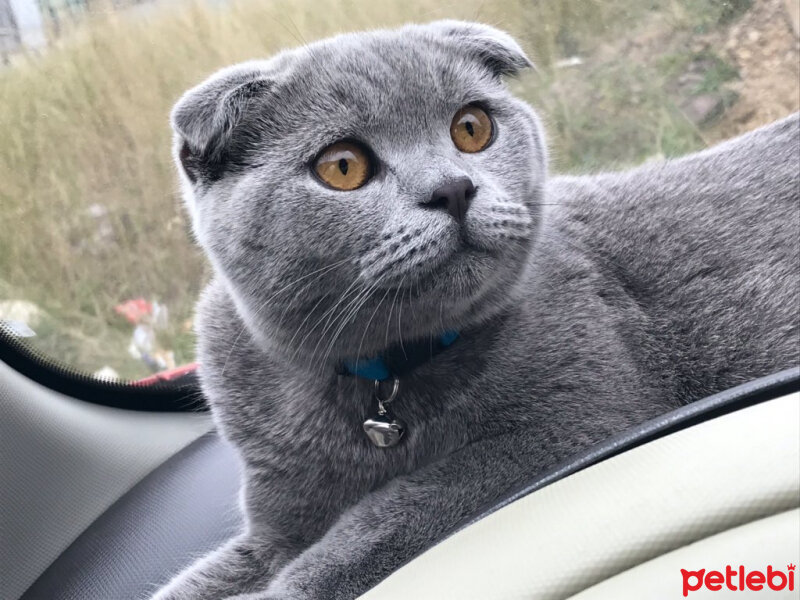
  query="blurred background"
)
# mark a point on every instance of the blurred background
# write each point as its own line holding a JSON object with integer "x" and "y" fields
{"x": 97, "y": 266}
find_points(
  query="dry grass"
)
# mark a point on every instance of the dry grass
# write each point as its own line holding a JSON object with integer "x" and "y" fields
{"x": 84, "y": 128}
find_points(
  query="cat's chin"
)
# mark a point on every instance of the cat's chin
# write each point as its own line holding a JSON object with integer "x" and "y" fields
{"x": 459, "y": 273}
{"x": 459, "y": 292}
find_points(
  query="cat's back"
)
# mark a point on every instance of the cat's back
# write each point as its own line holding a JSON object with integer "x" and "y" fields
{"x": 707, "y": 246}
{"x": 719, "y": 187}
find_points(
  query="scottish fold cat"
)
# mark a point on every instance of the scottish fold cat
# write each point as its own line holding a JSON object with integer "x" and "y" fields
{"x": 376, "y": 208}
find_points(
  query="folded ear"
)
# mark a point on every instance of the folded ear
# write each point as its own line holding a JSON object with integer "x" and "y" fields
{"x": 496, "y": 49}
{"x": 205, "y": 117}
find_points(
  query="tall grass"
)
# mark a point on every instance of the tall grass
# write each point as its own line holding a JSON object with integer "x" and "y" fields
{"x": 89, "y": 214}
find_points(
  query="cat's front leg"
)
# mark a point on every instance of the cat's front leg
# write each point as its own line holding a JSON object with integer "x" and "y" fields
{"x": 405, "y": 517}
{"x": 241, "y": 565}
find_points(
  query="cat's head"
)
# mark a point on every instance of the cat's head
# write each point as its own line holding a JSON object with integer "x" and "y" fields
{"x": 366, "y": 187}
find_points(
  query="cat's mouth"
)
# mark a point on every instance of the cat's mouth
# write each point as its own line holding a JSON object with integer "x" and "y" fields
{"x": 454, "y": 264}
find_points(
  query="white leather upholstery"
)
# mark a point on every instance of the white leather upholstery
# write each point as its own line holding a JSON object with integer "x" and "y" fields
{"x": 771, "y": 541}
{"x": 620, "y": 513}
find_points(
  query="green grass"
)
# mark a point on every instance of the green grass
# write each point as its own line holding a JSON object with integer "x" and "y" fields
{"x": 85, "y": 124}
{"x": 718, "y": 73}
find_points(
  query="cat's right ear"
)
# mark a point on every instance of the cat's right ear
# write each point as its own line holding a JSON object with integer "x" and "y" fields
{"x": 495, "y": 49}
{"x": 206, "y": 116}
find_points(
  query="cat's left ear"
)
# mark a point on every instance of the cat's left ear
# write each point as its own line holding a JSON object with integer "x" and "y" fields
{"x": 496, "y": 49}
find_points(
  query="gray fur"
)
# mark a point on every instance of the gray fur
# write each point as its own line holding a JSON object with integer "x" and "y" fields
{"x": 586, "y": 304}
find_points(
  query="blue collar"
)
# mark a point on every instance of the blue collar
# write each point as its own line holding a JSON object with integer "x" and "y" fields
{"x": 399, "y": 359}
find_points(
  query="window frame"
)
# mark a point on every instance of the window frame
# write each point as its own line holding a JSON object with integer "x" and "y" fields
{"x": 179, "y": 395}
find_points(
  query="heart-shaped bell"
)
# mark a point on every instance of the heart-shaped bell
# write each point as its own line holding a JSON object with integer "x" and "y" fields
{"x": 384, "y": 429}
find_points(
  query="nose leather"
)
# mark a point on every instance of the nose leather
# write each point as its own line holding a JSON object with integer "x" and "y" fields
{"x": 455, "y": 197}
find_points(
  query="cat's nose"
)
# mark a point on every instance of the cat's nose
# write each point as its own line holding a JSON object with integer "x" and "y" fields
{"x": 454, "y": 197}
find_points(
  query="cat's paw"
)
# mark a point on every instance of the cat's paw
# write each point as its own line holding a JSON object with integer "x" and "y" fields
{"x": 189, "y": 586}
{"x": 182, "y": 591}
{"x": 237, "y": 567}
{"x": 168, "y": 593}
{"x": 185, "y": 592}
{"x": 259, "y": 596}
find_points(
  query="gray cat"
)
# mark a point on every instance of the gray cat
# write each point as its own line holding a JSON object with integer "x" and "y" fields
{"x": 384, "y": 190}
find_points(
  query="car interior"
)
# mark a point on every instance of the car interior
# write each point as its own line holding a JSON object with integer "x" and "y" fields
{"x": 109, "y": 489}
{"x": 113, "y": 476}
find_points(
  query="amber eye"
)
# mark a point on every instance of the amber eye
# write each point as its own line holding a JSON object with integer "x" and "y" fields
{"x": 471, "y": 129}
{"x": 344, "y": 166}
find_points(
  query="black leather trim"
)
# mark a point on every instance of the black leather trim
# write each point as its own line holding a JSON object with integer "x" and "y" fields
{"x": 737, "y": 398}
{"x": 179, "y": 395}
{"x": 183, "y": 509}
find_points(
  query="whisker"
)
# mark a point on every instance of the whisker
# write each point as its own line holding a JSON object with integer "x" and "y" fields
{"x": 391, "y": 309}
{"x": 347, "y": 313}
{"x": 330, "y": 314}
{"x": 369, "y": 321}
{"x": 306, "y": 276}
{"x": 308, "y": 316}
{"x": 399, "y": 318}
{"x": 263, "y": 305}
{"x": 297, "y": 293}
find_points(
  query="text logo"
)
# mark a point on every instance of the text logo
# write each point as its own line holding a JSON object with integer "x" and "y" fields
{"x": 739, "y": 579}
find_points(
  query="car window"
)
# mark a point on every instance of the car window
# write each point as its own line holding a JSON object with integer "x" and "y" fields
{"x": 97, "y": 266}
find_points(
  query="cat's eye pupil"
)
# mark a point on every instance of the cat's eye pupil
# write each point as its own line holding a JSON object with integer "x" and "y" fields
{"x": 344, "y": 165}
{"x": 471, "y": 129}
